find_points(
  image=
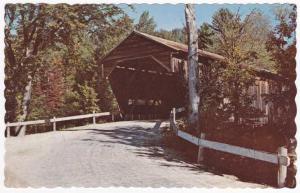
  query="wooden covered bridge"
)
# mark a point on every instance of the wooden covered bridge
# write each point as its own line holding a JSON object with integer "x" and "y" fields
{"x": 146, "y": 73}
{"x": 147, "y": 76}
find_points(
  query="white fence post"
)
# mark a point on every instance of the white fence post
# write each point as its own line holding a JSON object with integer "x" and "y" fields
{"x": 200, "y": 157}
{"x": 54, "y": 124}
{"x": 173, "y": 120}
{"x": 174, "y": 115}
{"x": 282, "y": 170}
{"x": 94, "y": 118}
{"x": 8, "y": 131}
{"x": 112, "y": 117}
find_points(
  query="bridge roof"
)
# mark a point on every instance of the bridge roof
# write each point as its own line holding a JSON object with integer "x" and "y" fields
{"x": 179, "y": 46}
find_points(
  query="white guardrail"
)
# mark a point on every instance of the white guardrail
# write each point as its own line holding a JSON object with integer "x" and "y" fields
{"x": 54, "y": 120}
{"x": 281, "y": 158}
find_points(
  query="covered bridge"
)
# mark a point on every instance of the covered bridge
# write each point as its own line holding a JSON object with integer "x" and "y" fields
{"x": 146, "y": 73}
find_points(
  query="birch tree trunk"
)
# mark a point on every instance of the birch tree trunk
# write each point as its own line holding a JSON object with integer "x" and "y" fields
{"x": 193, "y": 67}
{"x": 20, "y": 130}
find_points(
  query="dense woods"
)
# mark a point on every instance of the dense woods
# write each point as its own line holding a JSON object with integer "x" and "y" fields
{"x": 51, "y": 58}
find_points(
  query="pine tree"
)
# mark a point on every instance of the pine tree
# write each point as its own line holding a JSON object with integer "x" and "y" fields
{"x": 146, "y": 23}
{"x": 205, "y": 34}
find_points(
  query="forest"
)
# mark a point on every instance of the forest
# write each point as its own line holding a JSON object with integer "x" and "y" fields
{"x": 51, "y": 55}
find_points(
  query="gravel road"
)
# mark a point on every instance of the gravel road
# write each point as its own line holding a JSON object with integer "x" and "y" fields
{"x": 125, "y": 154}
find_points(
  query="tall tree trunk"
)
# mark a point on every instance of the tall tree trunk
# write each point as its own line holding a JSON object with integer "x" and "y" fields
{"x": 20, "y": 130}
{"x": 193, "y": 67}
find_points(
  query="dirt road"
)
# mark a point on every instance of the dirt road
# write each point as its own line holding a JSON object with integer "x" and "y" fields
{"x": 112, "y": 154}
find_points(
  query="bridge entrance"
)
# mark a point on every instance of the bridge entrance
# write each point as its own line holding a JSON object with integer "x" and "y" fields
{"x": 145, "y": 89}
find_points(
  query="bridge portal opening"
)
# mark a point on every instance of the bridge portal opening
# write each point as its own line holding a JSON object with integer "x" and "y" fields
{"x": 145, "y": 89}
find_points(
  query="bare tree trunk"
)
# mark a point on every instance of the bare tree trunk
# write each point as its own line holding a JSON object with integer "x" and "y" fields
{"x": 20, "y": 130}
{"x": 193, "y": 67}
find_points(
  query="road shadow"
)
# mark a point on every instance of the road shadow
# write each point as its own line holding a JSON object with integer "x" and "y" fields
{"x": 154, "y": 142}
{"x": 148, "y": 142}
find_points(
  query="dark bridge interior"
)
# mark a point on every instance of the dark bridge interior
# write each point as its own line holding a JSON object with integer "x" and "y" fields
{"x": 145, "y": 89}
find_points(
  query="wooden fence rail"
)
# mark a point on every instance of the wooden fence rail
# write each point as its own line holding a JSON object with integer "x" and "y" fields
{"x": 54, "y": 120}
{"x": 281, "y": 158}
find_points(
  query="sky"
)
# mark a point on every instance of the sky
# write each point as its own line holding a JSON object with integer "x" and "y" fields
{"x": 170, "y": 16}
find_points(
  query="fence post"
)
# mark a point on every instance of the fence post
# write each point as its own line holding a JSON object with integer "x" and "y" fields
{"x": 200, "y": 157}
{"x": 112, "y": 117}
{"x": 8, "y": 130}
{"x": 94, "y": 118}
{"x": 54, "y": 124}
{"x": 174, "y": 115}
{"x": 173, "y": 120}
{"x": 282, "y": 169}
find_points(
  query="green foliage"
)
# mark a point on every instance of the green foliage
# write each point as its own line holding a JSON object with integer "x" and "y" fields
{"x": 48, "y": 85}
{"x": 177, "y": 35}
{"x": 211, "y": 95}
{"x": 107, "y": 102}
{"x": 205, "y": 34}
{"x": 87, "y": 99}
{"x": 58, "y": 46}
{"x": 238, "y": 40}
{"x": 71, "y": 103}
{"x": 224, "y": 86}
{"x": 282, "y": 45}
{"x": 146, "y": 23}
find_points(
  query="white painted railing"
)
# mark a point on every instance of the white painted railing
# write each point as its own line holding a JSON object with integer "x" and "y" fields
{"x": 54, "y": 120}
{"x": 281, "y": 158}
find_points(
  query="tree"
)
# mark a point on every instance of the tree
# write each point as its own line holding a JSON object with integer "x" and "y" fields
{"x": 205, "y": 35}
{"x": 146, "y": 23}
{"x": 211, "y": 96}
{"x": 88, "y": 99}
{"x": 107, "y": 101}
{"x": 84, "y": 32}
{"x": 282, "y": 45}
{"x": 48, "y": 87}
{"x": 177, "y": 35}
{"x": 193, "y": 68}
{"x": 31, "y": 28}
{"x": 242, "y": 50}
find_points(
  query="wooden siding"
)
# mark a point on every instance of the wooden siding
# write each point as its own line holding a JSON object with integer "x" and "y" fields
{"x": 258, "y": 90}
{"x": 180, "y": 66}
